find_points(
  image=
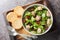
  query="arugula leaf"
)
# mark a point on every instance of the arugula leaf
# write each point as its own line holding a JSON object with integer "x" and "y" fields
{"x": 39, "y": 12}
{"x": 32, "y": 19}
{"x": 35, "y": 10}
{"x": 34, "y": 32}
{"x": 42, "y": 23}
{"x": 27, "y": 13}
{"x": 43, "y": 15}
{"x": 35, "y": 6}
{"x": 27, "y": 21}
{"x": 42, "y": 28}
{"x": 44, "y": 18}
{"x": 35, "y": 25}
{"x": 31, "y": 26}
{"x": 44, "y": 11}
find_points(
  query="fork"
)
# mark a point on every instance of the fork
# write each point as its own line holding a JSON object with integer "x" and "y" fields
{"x": 14, "y": 33}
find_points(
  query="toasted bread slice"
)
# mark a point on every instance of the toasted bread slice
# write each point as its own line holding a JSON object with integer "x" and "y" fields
{"x": 17, "y": 24}
{"x": 19, "y": 10}
{"x": 11, "y": 17}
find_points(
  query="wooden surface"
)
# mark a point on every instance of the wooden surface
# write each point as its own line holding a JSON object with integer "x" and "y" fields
{"x": 55, "y": 4}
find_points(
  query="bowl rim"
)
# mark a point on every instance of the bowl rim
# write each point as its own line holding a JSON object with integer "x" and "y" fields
{"x": 51, "y": 19}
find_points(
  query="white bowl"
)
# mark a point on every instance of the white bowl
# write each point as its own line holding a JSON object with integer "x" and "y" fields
{"x": 51, "y": 19}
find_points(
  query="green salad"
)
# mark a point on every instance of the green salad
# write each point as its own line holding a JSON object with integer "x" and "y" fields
{"x": 37, "y": 19}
